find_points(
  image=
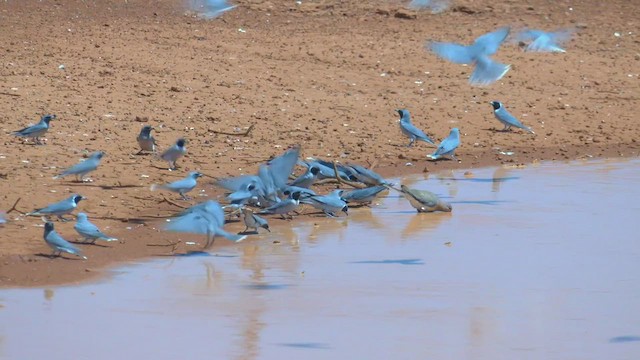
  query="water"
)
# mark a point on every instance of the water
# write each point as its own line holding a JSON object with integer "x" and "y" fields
{"x": 534, "y": 263}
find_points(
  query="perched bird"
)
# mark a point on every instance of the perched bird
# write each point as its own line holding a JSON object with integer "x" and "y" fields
{"x": 253, "y": 221}
{"x": 541, "y": 41}
{"x": 507, "y": 119}
{"x": 36, "y": 131}
{"x": 284, "y": 207}
{"x": 89, "y": 231}
{"x": 436, "y": 6}
{"x": 329, "y": 204}
{"x": 425, "y": 201}
{"x": 448, "y": 146}
{"x": 410, "y": 131}
{"x": 58, "y": 244}
{"x": 363, "y": 196}
{"x": 175, "y": 152}
{"x": 367, "y": 176}
{"x": 204, "y": 218}
{"x": 181, "y": 186}
{"x": 146, "y": 140}
{"x": 486, "y": 70}
{"x": 307, "y": 179}
{"x": 84, "y": 167}
{"x": 60, "y": 208}
{"x": 214, "y": 8}
{"x": 248, "y": 192}
{"x": 303, "y": 191}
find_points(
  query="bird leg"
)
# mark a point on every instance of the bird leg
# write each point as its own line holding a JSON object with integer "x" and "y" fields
{"x": 184, "y": 197}
{"x": 62, "y": 218}
{"x": 411, "y": 141}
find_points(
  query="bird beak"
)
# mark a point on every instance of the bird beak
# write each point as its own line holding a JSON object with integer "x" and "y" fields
{"x": 84, "y": 198}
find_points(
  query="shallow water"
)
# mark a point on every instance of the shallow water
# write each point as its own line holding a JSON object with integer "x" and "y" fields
{"x": 535, "y": 263}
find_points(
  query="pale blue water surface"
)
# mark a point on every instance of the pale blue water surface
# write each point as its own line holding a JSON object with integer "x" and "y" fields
{"x": 540, "y": 262}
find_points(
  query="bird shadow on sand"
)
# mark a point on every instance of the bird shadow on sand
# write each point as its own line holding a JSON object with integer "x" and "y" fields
{"x": 255, "y": 232}
{"x": 103, "y": 187}
{"x": 49, "y": 256}
{"x": 78, "y": 242}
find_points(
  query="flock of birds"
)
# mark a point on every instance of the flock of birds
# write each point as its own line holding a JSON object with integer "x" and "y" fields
{"x": 272, "y": 191}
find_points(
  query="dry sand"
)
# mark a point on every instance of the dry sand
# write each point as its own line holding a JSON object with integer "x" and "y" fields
{"x": 327, "y": 75}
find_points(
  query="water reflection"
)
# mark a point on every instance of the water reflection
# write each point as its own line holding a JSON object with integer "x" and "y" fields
{"x": 542, "y": 282}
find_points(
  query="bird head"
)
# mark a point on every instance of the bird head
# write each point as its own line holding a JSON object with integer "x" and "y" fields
{"x": 81, "y": 216}
{"x": 181, "y": 142}
{"x": 47, "y": 118}
{"x": 345, "y": 209}
{"x": 146, "y": 130}
{"x": 97, "y": 155}
{"x": 77, "y": 198}
{"x": 48, "y": 227}
{"x": 195, "y": 174}
{"x": 314, "y": 170}
{"x": 496, "y": 105}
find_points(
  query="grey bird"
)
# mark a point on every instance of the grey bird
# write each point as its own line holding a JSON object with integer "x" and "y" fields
{"x": 89, "y": 231}
{"x": 175, "y": 152}
{"x": 35, "y": 131}
{"x": 58, "y": 244}
{"x": 181, "y": 186}
{"x": 146, "y": 141}
{"x": 206, "y": 218}
{"x": 425, "y": 201}
{"x": 83, "y": 168}
{"x": 410, "y": 131}
{"x": 542, "y": 41}
{"x": 253, "y": 221}
{"x": 486, "y": 70}
{"x": 363, "y": 196}
{"x": 284, "y": 207}
{"x": 367, "y": 176}
{"x": 448, "y": 146}
{"x": 507, "y": 119}
{"x": 307, "y": 179}
{"x": 329, "y": 204}
{"x": 60, "y": 208}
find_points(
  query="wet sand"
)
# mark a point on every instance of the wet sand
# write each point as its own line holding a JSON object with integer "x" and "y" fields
{"x": 324, "y": 75}
{"x": 509, "y": 274}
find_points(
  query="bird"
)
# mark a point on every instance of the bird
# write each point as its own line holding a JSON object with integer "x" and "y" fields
{"x": 367, "y": 176}
{"x": 181, "y": 186}
{"x": 363, "y": 196}
{"x": 204, "y": 218}
{"x": 36, "y": 131}
{"x": 541, "y": 41}
{"x": 284, "y": 207}
{"x": 448, "y": 146}
{"x": 58, "y": 244}
{"x": 487, "y": 71}
{"x": 506, "y": 118}
{"x": 215, "y": 8}
{"x": 60, "y": 208}
{"x": 436, "y": 6}
{"x": 307, "y": 179}
{"x": 329, "y": 204}
{"x": 410, "y": 131}
{"x": 424, "y": 201}
{"x": 84, "y": 167}
{"x": 146, "y": 141}
{"x": 3, "y": 220}
{"x": 253, "y": 221}
{"x": 175, "y": 152}
{"x": 89, "y": 231}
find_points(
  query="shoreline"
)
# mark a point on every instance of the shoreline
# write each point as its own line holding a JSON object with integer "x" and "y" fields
{"x": 71, "y": 272}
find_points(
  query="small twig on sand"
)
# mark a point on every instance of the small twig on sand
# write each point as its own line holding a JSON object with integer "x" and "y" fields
{"x": 9, "y": 94}
{"x": 13, "y": 208}
{"x": 343, "y": 181}
{"x": 174, "y": 245}
{"x": 164, "y": 199}
{"x": 246, "y": 133}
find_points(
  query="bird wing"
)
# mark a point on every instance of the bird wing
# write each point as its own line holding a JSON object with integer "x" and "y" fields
{"x": 57, "y": 241}
{"x": 487, "y": 71}
{"x": 412, "y": 129}
{"x": 32, "y": 129}
{"x": 86, "y": 228}
{"x": 82, "y": 167}
{"x": 238, "y": 182}
{"x": 282, "y": 166}
{"x": 456, "y": 53}
{"x": 489, "y": 43}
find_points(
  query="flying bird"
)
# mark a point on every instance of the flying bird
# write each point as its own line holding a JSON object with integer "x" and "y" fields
{"x": 448, "y": 146}
{"x": 58, "y": 244}
{"x": 84, "y": 167}
{"x": 410, "y": 131}
{"x": 146, "y": 141}
{"x": 214, "y": 8}
{"x": 89, "y": 231}
{"x": 60, "y": 208}
{"x": 507, "y": 119}
{"x": 486, "y": 71}
{"x": 541, "y": 41}
{"x": 181, "y": 186}
{"x": 36, "y": 131}
{"x": 175, "y": 152}
{"x": 436, "y": 6}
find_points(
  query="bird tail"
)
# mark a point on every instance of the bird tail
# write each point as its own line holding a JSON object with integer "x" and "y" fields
{"x": 433, "y": 156}
{"x": 230, "y": 236}
{"x": 155, "y": 187}
{"x": 109, "y": 239}
{"x": 529, "y": 130}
